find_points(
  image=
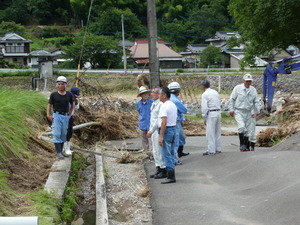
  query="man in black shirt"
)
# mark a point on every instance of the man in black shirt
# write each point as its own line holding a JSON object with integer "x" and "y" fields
{"x": 60, "y": 101}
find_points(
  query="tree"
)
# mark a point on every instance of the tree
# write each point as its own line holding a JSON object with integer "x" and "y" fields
{"x": 266, "y": 24}
{"x": 212, "y": 55}
{"x": 15, "y": 11}
{"x": 101, "y": 51}
{"x": 109, "y": 23}
{"x": 201, "y": 22}
{"x": 47, "y": 12}
{"x": 6, "y": 27}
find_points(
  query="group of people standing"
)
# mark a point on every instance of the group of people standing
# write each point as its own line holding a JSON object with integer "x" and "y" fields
{"x": 162, "y": 117}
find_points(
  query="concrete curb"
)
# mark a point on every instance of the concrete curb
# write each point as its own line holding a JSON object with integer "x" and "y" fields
{"x": 59, "y": 176}
{"x": 101, "y": 204}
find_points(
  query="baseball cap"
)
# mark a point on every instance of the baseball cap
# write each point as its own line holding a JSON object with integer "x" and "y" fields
{"x": 247, "y": 77}
{"x": 75, "y": 91}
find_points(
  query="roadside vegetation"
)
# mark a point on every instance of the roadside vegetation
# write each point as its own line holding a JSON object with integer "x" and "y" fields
{"x": 18, "y": 110}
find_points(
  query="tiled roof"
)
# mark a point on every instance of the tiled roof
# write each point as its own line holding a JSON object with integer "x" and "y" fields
{"x": 141, "y": 50}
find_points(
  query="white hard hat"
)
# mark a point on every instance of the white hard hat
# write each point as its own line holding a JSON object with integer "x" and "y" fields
{"x": 62, "y": 79}
{"x": 173, "y": 85}
{"x": 247, "y": 77}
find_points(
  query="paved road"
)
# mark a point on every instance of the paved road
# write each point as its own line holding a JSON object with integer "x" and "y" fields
{"x": 231, "y": 188}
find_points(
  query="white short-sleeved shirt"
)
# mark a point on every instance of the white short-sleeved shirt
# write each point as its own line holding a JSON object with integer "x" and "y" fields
{"x": 169, "y": 110}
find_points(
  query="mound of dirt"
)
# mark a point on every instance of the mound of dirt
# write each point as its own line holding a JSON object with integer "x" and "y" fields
{"x": 194, "y": 128}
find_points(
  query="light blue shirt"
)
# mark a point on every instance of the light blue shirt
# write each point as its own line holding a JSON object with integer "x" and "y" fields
{"x": 181, "y": 108}
{"x": 144, "y": 109}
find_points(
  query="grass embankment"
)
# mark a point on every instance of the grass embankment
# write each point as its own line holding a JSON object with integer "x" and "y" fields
{"x": 17, "y": 109}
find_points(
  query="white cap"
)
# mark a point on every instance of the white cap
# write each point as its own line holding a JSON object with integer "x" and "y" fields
{"x": 247, "y": 77}
{"x": 62, "y": 79}
{"x": 174, "y": 85}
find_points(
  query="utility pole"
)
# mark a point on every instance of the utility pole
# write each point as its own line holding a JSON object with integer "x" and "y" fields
{"x": 153, "y": 44}
{"x": 123, "y": 40}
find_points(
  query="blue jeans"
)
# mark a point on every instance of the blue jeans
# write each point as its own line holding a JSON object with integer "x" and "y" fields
{"x": 176, "y": 145}
{"x": 181, "y": 135}
{"x": 59, "y": 128}
{"x": 167, "y": 149}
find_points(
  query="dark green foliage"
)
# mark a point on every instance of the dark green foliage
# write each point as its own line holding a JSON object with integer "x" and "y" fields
{"x": 180, "y": 22}
{"x": 101, "y": 51}
{"x": 109, "y": 23}
{"x": 266, "y": 24}
{"x": 6, "y": 27}
{"x": 212, "y": 56}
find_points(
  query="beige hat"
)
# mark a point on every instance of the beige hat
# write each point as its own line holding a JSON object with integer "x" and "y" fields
{"x": 247, "y": 77}
{"x": 142, "y": 89}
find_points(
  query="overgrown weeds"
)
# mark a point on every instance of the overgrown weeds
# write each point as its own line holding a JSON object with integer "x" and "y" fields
{"x": 16, "y": 107}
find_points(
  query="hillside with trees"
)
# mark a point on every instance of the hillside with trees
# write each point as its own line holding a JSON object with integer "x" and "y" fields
{"x": 56, "y": 23}
{"x": 180, "y": 22}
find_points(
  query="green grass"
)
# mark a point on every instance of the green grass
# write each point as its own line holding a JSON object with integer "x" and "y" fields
{"x": 18, "y": 74}
{"x": 16, "y": 107}
{"x": 44, "y": 205}
{"x": 70, "y": 198}
{"x": 196, "y": 117}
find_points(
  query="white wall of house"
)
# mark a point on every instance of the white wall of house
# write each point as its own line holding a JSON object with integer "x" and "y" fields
{"x": 234, "y": 62}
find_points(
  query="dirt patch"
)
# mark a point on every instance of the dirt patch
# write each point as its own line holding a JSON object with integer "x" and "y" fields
{"x": 29, "y": 173}
{"x": 195, "y": 128}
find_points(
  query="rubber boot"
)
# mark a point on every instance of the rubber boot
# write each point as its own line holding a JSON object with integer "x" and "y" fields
{"x": 170, "y": 178}
{"x": 162, "y": 174}
{"x": 246, "y": 143}
{"x": 180, "y": 152}
{"x": 67, "y": 148}
{"x": 62, "y": 152}
{"x": 252, "y": 145}
{"x": 242, "y": 146}
{"x": 59, "y": 150}
{"x": 157, "y": 172}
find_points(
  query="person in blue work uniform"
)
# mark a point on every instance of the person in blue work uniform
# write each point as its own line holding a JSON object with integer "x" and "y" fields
{"x": 144, "y": 109}
{"x": 62, "y": 103}
{"x": 244, "y": 105}
{"x": 174, "y": 88}
{"x": 167, "y": 119}
{"x": 75, "y": 91}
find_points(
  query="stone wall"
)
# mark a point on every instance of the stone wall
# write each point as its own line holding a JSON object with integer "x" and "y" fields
{"x": 285, "y": 83}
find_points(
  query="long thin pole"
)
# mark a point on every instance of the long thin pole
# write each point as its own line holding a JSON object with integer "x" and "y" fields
{"x": 123, "y": 40}
{"x": 153, "y": 44}
{"x": 83, "y": 43}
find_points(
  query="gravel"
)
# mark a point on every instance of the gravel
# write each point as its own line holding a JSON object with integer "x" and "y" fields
{"x": 125, "y": 186}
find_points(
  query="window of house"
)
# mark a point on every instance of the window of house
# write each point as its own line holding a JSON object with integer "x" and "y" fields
{"x": 14, "y": 48}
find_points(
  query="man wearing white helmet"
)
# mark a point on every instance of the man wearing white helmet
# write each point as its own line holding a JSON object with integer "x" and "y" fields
{"x": 62, "y": 103}
{"x": 244, "y": 105}
{"x": 181, "y": 110}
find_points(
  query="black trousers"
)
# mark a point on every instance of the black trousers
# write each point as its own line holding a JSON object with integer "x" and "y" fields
{"x": 70, "y": 128}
